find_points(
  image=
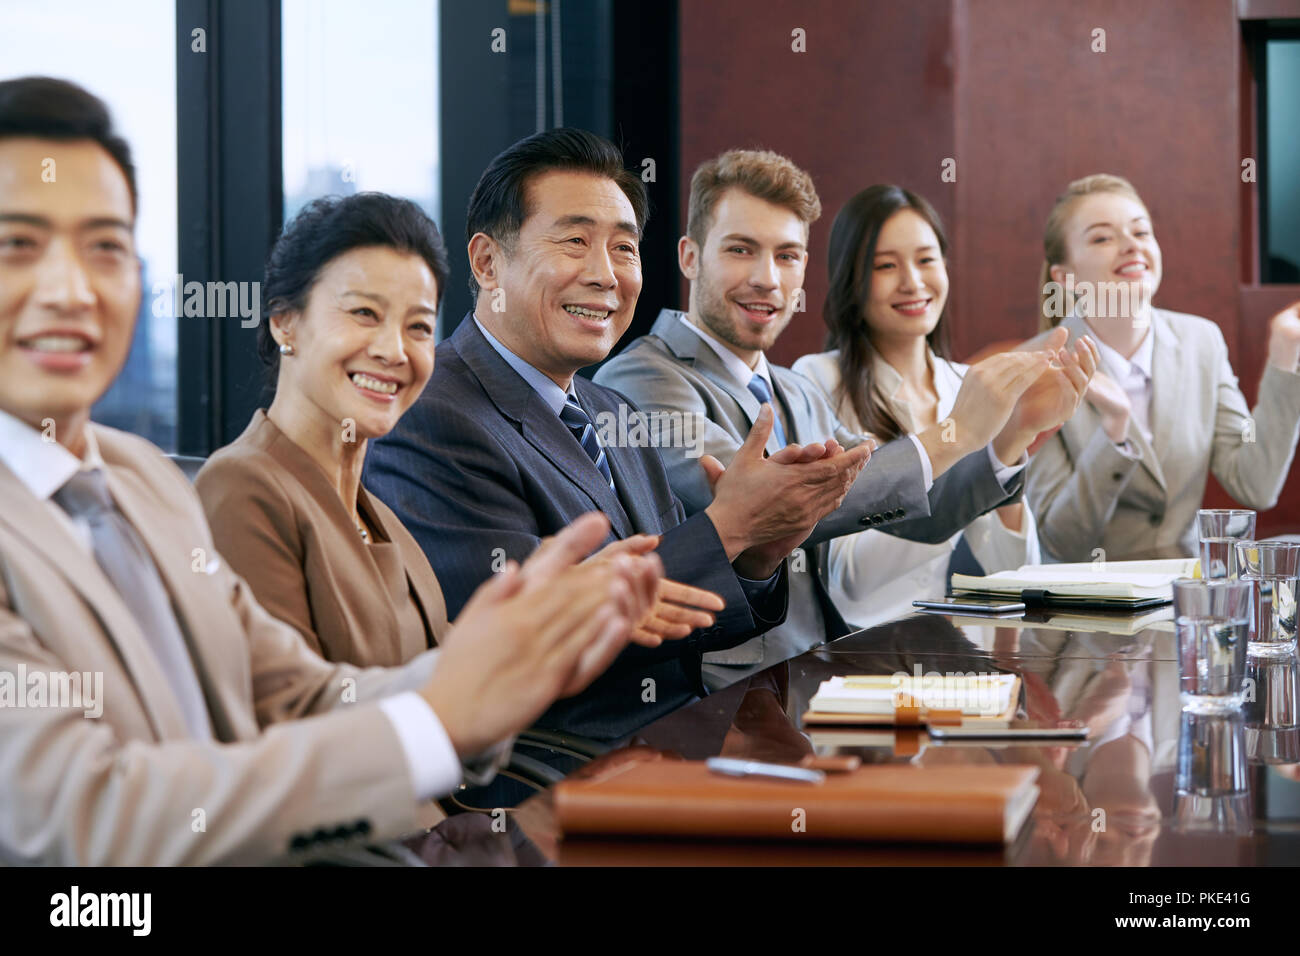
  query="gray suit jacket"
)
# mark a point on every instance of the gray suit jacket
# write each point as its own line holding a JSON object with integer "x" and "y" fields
{"x": 673, "y": 370}
{"x": 1087, "y": 494}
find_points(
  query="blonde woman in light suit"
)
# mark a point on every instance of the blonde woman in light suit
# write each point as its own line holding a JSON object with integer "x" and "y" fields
{"x": 1127, "y": 473}
{"x": 888, "y": 375}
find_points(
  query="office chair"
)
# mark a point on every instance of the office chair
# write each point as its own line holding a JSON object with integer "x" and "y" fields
{"x": 188, "y": 464}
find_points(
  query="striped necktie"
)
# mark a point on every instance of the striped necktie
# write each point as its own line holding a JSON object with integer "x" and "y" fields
{"x": 578, "y": 422}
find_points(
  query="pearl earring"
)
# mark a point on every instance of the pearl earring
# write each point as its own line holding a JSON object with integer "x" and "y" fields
{"x": 286, "y": 349}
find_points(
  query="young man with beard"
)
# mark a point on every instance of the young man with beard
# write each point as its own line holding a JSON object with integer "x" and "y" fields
{"x": 745, "y": 254}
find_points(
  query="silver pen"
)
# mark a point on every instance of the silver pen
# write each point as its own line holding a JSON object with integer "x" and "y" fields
{"x": 732, "y": 767}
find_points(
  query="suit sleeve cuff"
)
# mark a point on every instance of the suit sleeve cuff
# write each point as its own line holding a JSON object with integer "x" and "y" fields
{"x": 435, "y": 768}
{"x": 1004, "y": 473}
{"x": 927, "y": 469}
{"x": 758, "y": 590}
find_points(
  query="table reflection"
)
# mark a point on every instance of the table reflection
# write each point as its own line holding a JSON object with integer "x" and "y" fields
{"x": 1149, "y": 785}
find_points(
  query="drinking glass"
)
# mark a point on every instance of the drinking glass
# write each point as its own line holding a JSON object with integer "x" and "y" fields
{"x": 1273, "y": 570}
{"x": 1212, "y": 621}
{"x": 1220, "y": 529}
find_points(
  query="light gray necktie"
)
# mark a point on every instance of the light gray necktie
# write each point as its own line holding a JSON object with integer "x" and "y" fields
{"x": 125, "y": 560}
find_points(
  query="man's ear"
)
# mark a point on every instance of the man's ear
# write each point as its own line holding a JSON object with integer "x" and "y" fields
{"x": 688, "y": 257}
{"x": 485, "y": 256}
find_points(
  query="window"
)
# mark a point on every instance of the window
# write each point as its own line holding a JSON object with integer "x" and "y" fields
{"x": 124, "y": 54}
{"x": 360, "y": 106}
{"x": 1279, "y": 138}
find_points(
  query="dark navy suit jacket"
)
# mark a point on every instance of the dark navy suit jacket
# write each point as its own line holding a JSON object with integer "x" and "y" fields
{"x": 480, "y": 468}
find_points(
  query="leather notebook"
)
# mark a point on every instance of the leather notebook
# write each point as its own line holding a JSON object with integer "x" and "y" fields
{"x": 890, "y": 803}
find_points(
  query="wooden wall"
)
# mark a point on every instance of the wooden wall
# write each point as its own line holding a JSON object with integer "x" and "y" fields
{"x": 1015, "y": 93}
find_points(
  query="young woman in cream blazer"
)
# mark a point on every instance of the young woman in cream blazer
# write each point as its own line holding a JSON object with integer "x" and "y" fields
{"x": 887, "y": 377}
{"x": 1123, "y": 478}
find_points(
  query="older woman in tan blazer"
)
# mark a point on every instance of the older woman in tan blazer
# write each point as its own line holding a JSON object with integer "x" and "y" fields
{"x": 352, "y": 290}
{"x": 1124, "y": 477}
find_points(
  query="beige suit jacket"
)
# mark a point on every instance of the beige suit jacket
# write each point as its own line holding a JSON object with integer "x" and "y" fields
{"x": 131, "y": 787}
{"x": 1087, "y": 494}
{"x": 278, "y": 520}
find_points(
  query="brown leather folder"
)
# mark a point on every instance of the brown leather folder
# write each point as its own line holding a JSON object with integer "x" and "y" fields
{"x": 890, "y": 803}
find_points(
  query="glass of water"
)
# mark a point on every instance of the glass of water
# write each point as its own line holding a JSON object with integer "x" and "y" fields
{"x": 1212, "y": 619}
{"x": 1220, "y": 529}
{"x": 1271, "y": 566}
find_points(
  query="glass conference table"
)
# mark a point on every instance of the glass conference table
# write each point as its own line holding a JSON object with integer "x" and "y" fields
{"x": 1151, "y": 785}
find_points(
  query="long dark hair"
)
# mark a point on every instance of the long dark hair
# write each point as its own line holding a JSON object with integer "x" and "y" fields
{"x": 854, "y": 235}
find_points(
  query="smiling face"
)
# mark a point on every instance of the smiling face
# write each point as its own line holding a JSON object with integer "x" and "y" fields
{"x": 1109, "y": 240}
{"x": 568, "y": 284}
{"x": 363, "y": 344}
{"x": 69, "y": 280}
{"x": 909, "y": 280}
{"x": 745, "y": 280}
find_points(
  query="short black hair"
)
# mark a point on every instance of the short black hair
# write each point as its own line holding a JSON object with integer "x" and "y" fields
{"x": 325, "y": 229}
{"x": 499, "y": 204}
{"x": 49, "y": 108}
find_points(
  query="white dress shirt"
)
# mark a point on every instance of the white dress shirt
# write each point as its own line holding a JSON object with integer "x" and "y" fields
{"x": 1133, "y": 376}
{"x": 873, "y": 577}
{"x": 45, "y": 466}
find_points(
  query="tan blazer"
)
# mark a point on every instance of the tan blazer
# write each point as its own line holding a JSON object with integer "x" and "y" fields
{"x": 1087, "y": 494}
{"x": 277, "y": 519}
{"x": 130, "y": 787}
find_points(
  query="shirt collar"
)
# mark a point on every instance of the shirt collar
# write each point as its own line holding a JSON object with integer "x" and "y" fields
{"x": 741, "y": 372}
{"x": 1120, "y": 367}
{"x": 888, "y": 381}
{"x": 542, "y": 384}
{"x": 43, "y": 466}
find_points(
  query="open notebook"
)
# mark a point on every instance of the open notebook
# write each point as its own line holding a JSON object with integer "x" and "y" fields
{"x": 1103, "y": 584}
{"x": 903, "y": 699}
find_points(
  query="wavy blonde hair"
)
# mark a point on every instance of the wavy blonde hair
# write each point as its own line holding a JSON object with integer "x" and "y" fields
{"x": 1054, "y": 233}
{"x": 762, "y": 174}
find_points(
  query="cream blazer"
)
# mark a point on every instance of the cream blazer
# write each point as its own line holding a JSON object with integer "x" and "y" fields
{"x": 1089, "y": 495}
{"x": 873, "y": 577}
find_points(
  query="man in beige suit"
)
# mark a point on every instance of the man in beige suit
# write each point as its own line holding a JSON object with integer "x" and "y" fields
{"x": 147, "y": 703}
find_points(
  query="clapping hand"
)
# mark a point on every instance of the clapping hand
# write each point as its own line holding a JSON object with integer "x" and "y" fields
{"x": 676, "y": 610}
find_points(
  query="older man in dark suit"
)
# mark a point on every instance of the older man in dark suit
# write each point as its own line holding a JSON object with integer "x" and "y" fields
{"x": 507, "y": 444}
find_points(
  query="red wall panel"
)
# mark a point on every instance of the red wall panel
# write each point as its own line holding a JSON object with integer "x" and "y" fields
{"x": 1015, "y": 93}
{"x": 870, "y": 101}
